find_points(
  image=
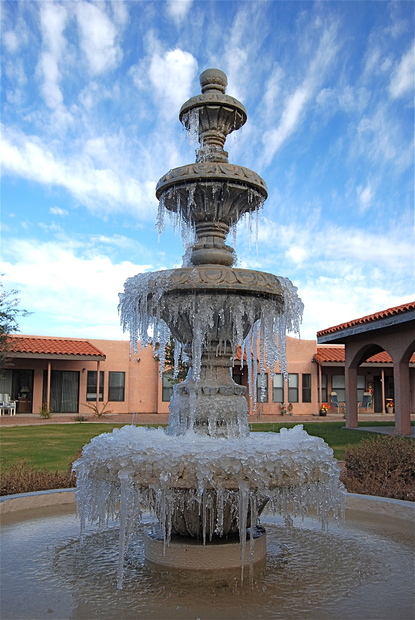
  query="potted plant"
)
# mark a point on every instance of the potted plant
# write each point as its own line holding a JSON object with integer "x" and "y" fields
{"x": 389, "y": 405}
{"x": 283, "y": 409}
{"x": 324, "y": 408}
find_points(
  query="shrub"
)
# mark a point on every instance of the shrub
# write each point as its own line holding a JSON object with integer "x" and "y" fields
{"x": 383, "y": 466}
{"x": 45, "y": 411}
{"x": 99, "y": 412}
{"x": 23, "y": 478}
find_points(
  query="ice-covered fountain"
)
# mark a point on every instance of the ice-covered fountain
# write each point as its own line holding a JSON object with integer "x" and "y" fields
{"x": 206, "y": 477}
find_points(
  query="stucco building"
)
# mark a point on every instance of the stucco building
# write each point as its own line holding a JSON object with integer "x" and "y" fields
{"x": 63, "y": 372}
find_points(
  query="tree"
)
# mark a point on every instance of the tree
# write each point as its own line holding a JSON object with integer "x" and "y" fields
{"x": 9, "y": 315}
{"x": 169, "y": 362}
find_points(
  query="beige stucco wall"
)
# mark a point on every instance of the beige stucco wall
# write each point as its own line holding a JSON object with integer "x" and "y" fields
{"x": 143, "y": 389}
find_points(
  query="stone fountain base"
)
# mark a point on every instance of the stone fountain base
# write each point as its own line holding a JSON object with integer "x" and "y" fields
{"x": 191, "y": 554}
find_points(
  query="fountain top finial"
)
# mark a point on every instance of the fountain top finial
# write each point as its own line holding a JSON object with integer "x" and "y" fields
{"x": 213, "y": 79}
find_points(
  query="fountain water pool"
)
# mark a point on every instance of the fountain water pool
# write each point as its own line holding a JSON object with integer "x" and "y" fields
{"x": 361, "y": 569}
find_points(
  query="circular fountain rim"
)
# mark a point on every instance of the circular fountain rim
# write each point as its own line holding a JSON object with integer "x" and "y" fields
{"x": 395, "y": 515}
{"x": 370, "y": 504}
{"x": 209, "y": 278}
{"x": 208, "y": 172}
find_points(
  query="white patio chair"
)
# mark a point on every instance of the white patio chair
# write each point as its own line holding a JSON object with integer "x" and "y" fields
{"x": 7, "y": 406}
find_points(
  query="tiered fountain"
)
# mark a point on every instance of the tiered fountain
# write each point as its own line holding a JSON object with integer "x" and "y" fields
{"x": 207, "y": 478}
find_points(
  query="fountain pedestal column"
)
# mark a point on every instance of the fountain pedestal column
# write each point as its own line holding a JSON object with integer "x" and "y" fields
{"x": 212, "y": 404}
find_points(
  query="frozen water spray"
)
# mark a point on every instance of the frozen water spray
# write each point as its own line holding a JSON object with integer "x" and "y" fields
{"x": 206, "y": 476}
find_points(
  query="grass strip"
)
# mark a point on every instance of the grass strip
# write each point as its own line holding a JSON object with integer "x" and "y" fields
{"x": 52, "y": 446}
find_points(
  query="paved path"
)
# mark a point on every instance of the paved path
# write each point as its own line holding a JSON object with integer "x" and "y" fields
{"x": 22, "y": 419}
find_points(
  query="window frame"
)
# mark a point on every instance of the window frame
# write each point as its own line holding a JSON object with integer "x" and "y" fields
{"x": 278, "y": 389}
{"x": 293, "y": 395}
{"x": 112, "y": 388}
{"x": 306, "y": 389}
{"x": 167, "y": 383}
{"x": 89, "y": 392}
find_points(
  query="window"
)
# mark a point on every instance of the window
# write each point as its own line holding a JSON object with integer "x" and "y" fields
{"x": 116, "y": 386}
{"x": 167, "y": 383}
{"x": 361, "y": 387}
{"x": 278, "y": 388}
{"x": 64, "y": 390}
{"x": 237, "y": 377}
{"x": 324, "y": 389}
{"x": 293, "y": 388}
{"x": 306, "y": 388}
{"x": 91, "y": 385}
{"x": 338, "y": 386}
{"x": 262, "y": 388}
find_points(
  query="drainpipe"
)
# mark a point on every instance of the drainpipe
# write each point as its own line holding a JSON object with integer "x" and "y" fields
{"x": 319, "y": 384}
{"x": 98, "y": 386}
{"x": 48, "y": 382}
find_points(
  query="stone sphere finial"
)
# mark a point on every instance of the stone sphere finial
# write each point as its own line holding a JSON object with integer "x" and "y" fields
{"x": 213, "y": 79}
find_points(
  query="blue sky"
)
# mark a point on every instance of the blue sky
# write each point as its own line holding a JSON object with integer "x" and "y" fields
{"x": 90, "y": 98}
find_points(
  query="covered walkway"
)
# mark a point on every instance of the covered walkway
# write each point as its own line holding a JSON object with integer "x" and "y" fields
{"x": 393, "y": 331}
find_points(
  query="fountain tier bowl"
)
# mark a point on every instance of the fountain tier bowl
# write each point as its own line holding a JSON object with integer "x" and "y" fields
{"x": 202, "y": 486}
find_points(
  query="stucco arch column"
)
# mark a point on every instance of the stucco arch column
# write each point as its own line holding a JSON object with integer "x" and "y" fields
{"x": 402, "y": 401}
{"x": 350, "y": 375}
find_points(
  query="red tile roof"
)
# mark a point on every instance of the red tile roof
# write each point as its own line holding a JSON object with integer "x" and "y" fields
{"x": 53, "y": 346}
{"x": 329, "y": 354}
{"x": 369, "y": 319}
{"x": 332, "y": 355}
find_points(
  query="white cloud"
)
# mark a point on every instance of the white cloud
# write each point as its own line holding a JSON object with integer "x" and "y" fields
{"x": 365, "y": 196}
{"x": 11, "y": 41}
{"x": 296, "y": 102}
{"x": 99, "y": 188}
{"x": 296, "y": 254}
{"x": 58, "y": 211}
{"x": 62, "y": 287}
{"x": 53, "y": 21}
{"x": 171, "y": 75}
{"x": 98, "y": 38}
{"x": 178, "y": 9}
{"x": 402, "y": 81}
{"x": 332, "y": 301}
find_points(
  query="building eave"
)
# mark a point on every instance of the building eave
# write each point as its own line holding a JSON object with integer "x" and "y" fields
{"x": 340, "y": 335}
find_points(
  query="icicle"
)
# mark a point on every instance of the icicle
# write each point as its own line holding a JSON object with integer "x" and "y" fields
{"x": 242, "y": 525}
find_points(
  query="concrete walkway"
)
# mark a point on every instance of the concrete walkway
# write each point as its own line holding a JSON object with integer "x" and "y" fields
{"x": 24, "y": 419}
{"x": 384, "y": 430}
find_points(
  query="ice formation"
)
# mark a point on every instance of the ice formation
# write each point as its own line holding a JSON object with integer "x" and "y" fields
{"x": 206, "y": 475}
{"x": 132, "y": 470}
{"x": 150, "y": 311}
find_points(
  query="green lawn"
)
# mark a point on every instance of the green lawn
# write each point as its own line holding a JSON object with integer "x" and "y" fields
{"x": 334, "y": 433}
{"x": 53, "y": 446}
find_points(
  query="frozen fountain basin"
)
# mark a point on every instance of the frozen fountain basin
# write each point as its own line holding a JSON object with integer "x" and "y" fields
{"x": 360, "y": 569}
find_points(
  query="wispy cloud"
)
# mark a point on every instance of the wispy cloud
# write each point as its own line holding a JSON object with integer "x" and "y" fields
{"x": 178, "y": 9}
{"x": 168, "y": 76}
{"x": 58, "y": 211}
{"x": 29, "y": 158}
{"x": 402, "y": 82}
{"x": 75, "y": 289}
{"x": 98, "y": 38}
{"x": 295, "y": 102}
{"x": 53, "y": 19}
